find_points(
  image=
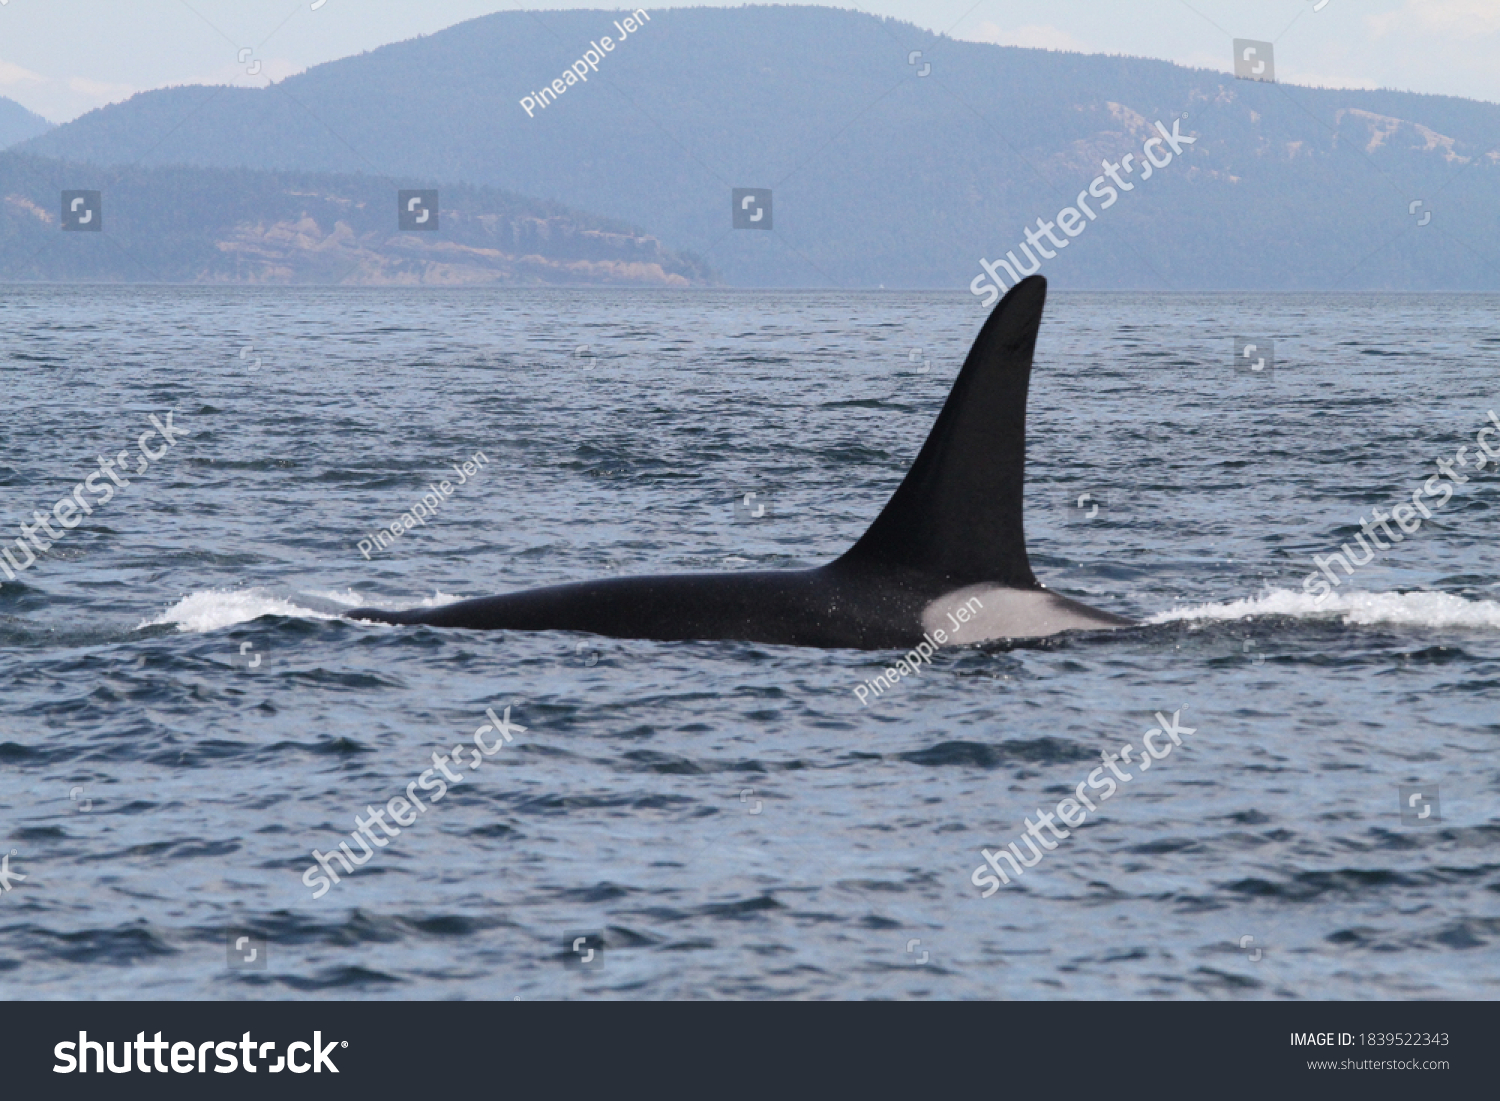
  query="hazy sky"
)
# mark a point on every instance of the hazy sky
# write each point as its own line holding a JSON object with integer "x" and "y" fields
{"x": 64, "y": 57}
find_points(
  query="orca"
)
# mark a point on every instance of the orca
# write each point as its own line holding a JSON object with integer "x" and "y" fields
{"x": 946, "y": 559}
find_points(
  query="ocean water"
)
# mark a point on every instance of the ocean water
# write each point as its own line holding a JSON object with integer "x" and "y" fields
{"x": 184, "y": 718}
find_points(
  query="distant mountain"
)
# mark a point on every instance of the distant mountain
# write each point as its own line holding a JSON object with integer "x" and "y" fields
{"x": 880, "y": 175}
{"x": 178, "y": 224}
{"x": 18, "y": 124}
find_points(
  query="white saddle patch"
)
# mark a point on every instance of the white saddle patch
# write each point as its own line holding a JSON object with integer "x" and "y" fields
{"x": 981, "y": 612}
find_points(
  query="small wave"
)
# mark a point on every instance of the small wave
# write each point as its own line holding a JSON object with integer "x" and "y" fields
{"x": 215, "y": 609}
{"x": 1414, "y": 609}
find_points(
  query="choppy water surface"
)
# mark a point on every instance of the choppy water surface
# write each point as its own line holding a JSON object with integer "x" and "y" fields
{"x": 728, "y": 816}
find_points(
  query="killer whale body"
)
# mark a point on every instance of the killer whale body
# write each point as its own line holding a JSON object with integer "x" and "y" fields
{"x": 947, "y": 553}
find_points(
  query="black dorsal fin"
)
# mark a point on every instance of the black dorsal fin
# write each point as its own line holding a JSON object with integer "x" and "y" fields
{"x": 957, "y": 515}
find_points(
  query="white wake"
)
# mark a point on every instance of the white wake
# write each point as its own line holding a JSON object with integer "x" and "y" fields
{"x": 215, "y": 609}
{"x": 1414, "y": 609}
